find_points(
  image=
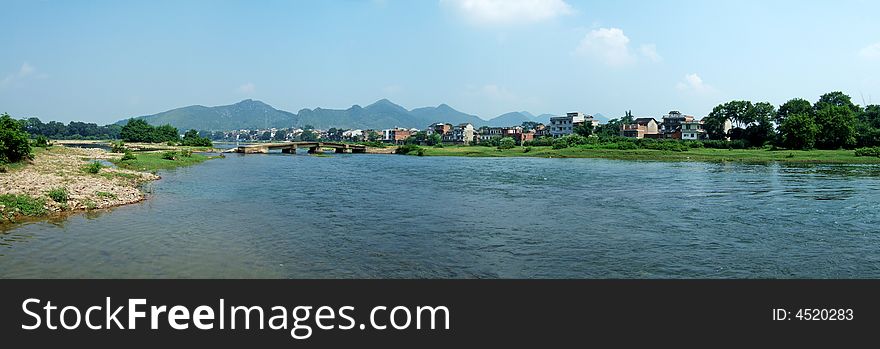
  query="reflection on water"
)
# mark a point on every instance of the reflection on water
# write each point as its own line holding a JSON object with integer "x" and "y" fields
{"x": 376, "y": 216}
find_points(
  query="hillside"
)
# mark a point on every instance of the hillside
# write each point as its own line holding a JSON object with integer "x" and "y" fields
{"x": 383, "y": 114}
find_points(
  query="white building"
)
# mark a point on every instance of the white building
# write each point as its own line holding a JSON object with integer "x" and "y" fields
{"x": 564, "y": 125}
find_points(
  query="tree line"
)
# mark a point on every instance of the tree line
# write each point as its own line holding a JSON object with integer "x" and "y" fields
{"x": 137, "y": 130}
{"x": 73, "y": 129}
{"x": 832, "y": 122}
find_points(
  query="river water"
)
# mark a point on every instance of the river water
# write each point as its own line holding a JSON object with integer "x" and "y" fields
{"x": 387, "y": 216}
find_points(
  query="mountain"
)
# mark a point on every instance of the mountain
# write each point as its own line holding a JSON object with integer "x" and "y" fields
{"x": 517, "y": 118}
{"x": 247, "y": 114}
{"x": 445, "y": 113}
{"x": 383, "y": 114}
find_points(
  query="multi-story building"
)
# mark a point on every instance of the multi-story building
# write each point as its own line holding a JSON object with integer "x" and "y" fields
{"x": 439, "y": 128}
{"x": 460, "y": 134}
{"x": 640, "y": 128}
{"x": 692, "y": 130}
{"x": 671, "y": 125}
{"x": 564, "y": 125}
{"x": 396, "y": 135}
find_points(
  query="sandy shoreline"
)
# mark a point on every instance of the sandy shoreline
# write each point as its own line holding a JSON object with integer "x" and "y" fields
{"x": 62, "y": 167}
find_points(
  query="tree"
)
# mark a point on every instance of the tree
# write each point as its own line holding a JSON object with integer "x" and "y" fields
{"x": 506, "y": 143}
{"x": 584, "y": 128}
{"x": 166, "y": 133}
{"x": 760, "y": 129}
{"x": 838, "y": 99}
{"x": 14, "y": 143}
{"x": 137, "y": 130}
{"x": 798, "y": 131}
{"x": 373, "y": 136}
{"x": 280, "y": 135}
{"x": 192, "y": 138}
{"x": 837, "y": 125}
{"x": 793, "y": 106}
{"x": 308, "y": 136}
{"x": 714, "y": 124}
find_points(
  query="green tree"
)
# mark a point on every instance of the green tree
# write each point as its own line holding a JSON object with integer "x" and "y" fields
{"x": 798, "y": 131}
{"x": 506, "y": 143}
{"x": 137, "y": 130}
{"x": 166, "y": 133}
{"x": 14, "y": 143}
{"x": 793, "y": 106}
{"x": 192, "y": 138}
{"x": 715, "y": 122}
{"x": 584, "y": 128}
{"x": 308, "y": 136}
{"x": 837, "y": 127}
{"x": 760, "y": 129}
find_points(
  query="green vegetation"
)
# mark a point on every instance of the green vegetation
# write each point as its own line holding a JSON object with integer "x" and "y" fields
{"x": 73, "y": 130}
{"x": 59, "y": 195}
{"x": 93, "y": 167}
{"x": 12, "y": 205}
{"x": 117, "y": 147}
{"x": 192, "y": 138}
{"x": 138, "y": 130}
{"x": 104, "y": 194}
{"x": 692, "y": 154}
{"x": 14, "y": 143}
{"x": 408, "y": 149}
{"x": 872, "y": 151}
{"x": 153, "y": 161}
{"x": 506, "y": 143}
{"x": 128, "y": 155}
{"x": 422, "y": 138}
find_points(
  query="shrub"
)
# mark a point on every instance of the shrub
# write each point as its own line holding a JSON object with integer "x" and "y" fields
{"x": 128, "y": 156}
{"x": 407, "y": 148}
{"x": 527, "y": 149}
{"x": 506, "y": 143}
{"x": 192, "y": 138}
{"x": 169, "y": 155}
{"x": 117, "y": 146}
{"x": 421, "y": 152}
{"x": 869, "y": 151}
{"x": 58, "y": 195}
{"x": 171, "y": 143}
{"x": 15, "y": 144}
{"x": 41, "y": 141}
{"x": 94, "y": 167}
{"x": 186, "y": 153}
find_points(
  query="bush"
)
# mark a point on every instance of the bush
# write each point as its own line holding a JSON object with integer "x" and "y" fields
{"x": 171, "y": 143}
{"x": 117, "y": 147}
{"x": 128, "y": 156}
{"x": 506, "y": 143}
{"x": 169, "y": 155}
{"x": 186, "y": 153}
{"x": 15, "y": 144}
{"x": 407, "y": 149}
{"x": 94, "y": 167}
{"x": 58, "y": 195}
{"x": 527, "y": 149}
{"x": 421, "y": 152}
{"x": 869, "y": 151}
{"x": 42, "y": 142}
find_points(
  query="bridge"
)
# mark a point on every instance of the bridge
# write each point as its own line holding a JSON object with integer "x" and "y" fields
{"x": 291, "y": 147}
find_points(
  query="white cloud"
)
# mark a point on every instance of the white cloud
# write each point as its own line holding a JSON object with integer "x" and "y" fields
{"x": 694, "y": 83}
{"x": 248, "y": 88}
{"x": 650, "y": 52}
{"x": 508, "y": 11}
{"x": 26, "y": 70}
{"x": 871, "y": 51}
{"x": 609, "y": 45}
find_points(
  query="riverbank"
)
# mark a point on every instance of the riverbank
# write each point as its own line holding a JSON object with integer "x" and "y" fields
{"x": 705, "y": 154}
{"x": 61, "y": 179}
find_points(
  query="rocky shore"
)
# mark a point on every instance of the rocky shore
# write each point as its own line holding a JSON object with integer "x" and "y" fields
{"x": 63, "y": 169}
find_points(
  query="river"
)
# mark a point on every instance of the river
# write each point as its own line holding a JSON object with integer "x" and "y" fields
{"x": 388, "y": 216}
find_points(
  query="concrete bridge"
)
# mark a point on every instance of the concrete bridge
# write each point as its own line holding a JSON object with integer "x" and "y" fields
{"x": 291, "y": 147}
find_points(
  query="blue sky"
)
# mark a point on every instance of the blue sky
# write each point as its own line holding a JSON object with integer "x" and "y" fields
{"x": 103, "y": 61}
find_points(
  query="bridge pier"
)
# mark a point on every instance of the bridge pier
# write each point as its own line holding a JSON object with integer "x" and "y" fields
{"x": 290, "y": 150}
{"x": 343, "y": 150}
{"x": 314, "y": 150}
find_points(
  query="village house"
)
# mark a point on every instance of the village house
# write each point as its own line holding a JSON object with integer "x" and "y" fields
{"x": 460, "y": 134}
{"x": 692, "y": 130}
{"x": 671, "y": 125}
{"x": 564, "y": 125}
{"x": 396, "y": 135}
{"x": 439, "y": 128}
{"x": 641, "y": 128}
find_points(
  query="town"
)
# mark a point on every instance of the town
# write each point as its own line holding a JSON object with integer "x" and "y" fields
{"x": 674, "y": 125}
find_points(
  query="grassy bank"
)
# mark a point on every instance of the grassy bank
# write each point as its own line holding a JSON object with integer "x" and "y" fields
{"x": 154, "y": 161}
{"x": 708, "y": 155}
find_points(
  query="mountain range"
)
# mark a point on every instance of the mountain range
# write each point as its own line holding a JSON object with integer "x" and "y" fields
{"x": 383, "y": 114}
